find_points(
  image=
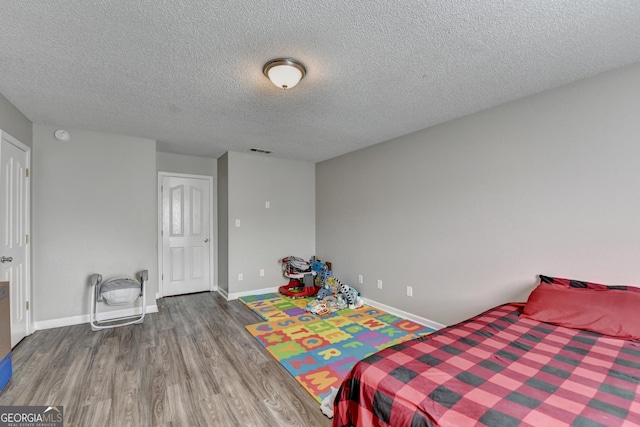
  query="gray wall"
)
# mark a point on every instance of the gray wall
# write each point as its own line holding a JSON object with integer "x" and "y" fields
{"x": 94, "y": 211}
{"x": 223, "y": 223}
{"x": 471, "y": 211}
{"x": 178, "y": 163}
{"x": 266, "y": 235}
{"x": 15, "y": 123}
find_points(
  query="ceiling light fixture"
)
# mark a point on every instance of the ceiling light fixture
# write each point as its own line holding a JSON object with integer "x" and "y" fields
{"x": 284, "y": 72}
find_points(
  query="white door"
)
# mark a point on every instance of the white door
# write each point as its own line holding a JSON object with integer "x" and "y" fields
{"x": 186, "y": 235}
{"x": 14, "y": 230}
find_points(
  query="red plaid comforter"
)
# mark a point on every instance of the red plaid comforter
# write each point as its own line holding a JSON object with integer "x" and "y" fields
{"x": 496, "y": 369}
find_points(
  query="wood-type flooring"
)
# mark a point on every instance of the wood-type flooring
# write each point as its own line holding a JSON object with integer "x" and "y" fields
{"x": 190, "y": 364}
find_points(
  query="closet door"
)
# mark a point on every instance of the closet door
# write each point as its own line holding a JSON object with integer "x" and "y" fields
{"x": 186, "y": 232}
{"x": 14, "y": 231}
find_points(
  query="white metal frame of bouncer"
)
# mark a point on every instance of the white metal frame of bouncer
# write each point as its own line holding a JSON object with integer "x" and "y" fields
{"x": 100, "y": 293}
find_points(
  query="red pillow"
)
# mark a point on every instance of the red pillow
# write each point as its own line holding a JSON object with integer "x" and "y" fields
{"x": 613, "y": 312}
{"x": 571, "y": 283}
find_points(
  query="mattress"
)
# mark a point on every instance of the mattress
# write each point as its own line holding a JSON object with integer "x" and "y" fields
{"x": 496, "y": 369}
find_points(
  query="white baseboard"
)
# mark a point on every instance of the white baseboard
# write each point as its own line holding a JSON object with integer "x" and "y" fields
{"x": 223, "y": 293}
{"x": 404, "y": 314}
{"x": 236, "y": 295}
{"x": 77, "y": 320}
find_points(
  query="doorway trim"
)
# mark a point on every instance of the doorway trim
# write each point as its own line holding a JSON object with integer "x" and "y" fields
{"x": 214, "y": 234}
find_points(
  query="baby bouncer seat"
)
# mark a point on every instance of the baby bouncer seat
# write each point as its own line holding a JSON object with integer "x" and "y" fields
{"x": 119, "y": 291}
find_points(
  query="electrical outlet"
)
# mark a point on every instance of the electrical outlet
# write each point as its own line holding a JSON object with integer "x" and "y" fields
{"x": 262, "y": 272}
{"x": 240, "y": 276}
{"x": 379, "y": 284}
{"x": 360, "y": 278}
{"x": 237, "y": 223}
{"x": 267, "y": 205}
{"x": 409, "y": 291}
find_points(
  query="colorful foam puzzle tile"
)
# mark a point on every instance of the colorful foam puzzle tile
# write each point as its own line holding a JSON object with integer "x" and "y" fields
{"x": 319, "y": 351}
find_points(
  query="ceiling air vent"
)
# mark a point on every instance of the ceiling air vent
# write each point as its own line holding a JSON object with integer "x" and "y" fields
{"x": 259, "y": 150}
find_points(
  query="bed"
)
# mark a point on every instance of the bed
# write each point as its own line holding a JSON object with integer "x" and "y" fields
{"x": 506, "y": 367}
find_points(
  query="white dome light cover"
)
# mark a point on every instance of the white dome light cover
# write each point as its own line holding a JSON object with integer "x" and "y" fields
{"x": 284, "y": 72}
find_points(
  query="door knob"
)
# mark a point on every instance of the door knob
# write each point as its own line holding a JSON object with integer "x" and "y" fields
{"x": 6, "y": 259}
{"x": 206, "y": 240}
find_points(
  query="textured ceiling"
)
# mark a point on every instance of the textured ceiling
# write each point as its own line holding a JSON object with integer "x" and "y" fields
{"x": 188, "y": 73}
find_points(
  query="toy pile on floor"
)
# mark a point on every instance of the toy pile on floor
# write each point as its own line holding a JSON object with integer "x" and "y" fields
{"x": 331, "y": 294}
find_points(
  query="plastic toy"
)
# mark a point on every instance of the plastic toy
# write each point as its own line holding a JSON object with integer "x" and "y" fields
{"x": 322, "y": 270}
{"x": 294, "y": 289}
{"x": 351, "y": 296}
{"x": 297, "y": 269}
